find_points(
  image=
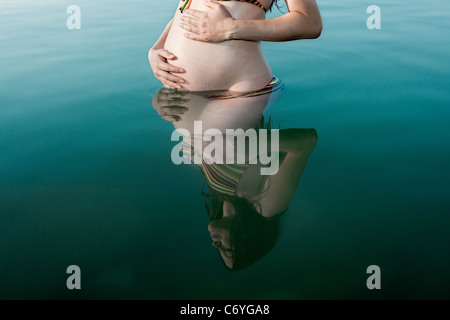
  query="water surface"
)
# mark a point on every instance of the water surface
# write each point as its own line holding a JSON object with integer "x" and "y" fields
{"x": 86, "y": 176}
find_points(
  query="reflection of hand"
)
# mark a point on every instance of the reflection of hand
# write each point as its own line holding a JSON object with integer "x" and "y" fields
{"x": 170, "y": 103}
{"x": 173, "y": 113}
{"x": 213, "y": 25}
{"x": 163, "y": 70}
{"x": 171, "y": 97}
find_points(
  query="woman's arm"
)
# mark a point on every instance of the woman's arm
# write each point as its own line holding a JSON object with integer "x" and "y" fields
{"x": 303, "y": 21}
{"x": 159, "y": 61}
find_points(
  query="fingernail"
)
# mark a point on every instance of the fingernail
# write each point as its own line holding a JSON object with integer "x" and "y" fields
{"x": 181, "y": 81}
{"x": 181, "y": 70}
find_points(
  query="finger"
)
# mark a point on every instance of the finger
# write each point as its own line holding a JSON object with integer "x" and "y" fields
{"x": 166, "y": 54}
{"x": 169, "y": 84}
{"x": 170, "y": 68}
{"x": 168, "y": 95}
{"x": 195, "y": 13}
{"x": 167, "y": 76}
{"x": 211, "y": 4}
{"x": 172, "y": 97}
{"x": 170, "y": 77}
{"x": 190, "y": 28}
{"x": 163, "y": 83}
{"x": 166, "y": 85}
{"x": 173, "y": 85}
{"x": 189, "y": 20}
{"x": 163, "y": 92}
{"x": 163, "y": 95}
{"x": 174, "y": 110}
{"x": 171, "y": 118}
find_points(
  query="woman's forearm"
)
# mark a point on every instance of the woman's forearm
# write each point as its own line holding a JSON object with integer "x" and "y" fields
{"x": 217, "y": 25}
{"x": 291, "y": 26}
{"x": 159, "y": 44}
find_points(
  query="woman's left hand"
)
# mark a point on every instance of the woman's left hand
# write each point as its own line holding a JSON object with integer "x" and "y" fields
{"x": 213, "y": 25}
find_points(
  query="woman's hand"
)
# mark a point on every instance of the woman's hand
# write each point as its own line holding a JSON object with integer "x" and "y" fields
{"x": 163, "y": 70}
{"x": 303, "y": 21}
{"x": 214, "y": 25}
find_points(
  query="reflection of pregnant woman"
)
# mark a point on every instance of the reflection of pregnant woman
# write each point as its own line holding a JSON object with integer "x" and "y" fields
{"x": 244, "y": 206}
{"x": 215, "y": 45}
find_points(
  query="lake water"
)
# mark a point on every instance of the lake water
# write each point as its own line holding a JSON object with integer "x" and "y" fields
{"x": 86, "y": 177}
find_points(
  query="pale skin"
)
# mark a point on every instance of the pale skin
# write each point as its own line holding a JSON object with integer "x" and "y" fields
{"x": 182, "y": 109}
{"x": 216, "y": 25}
{"x": 276, "y": 192}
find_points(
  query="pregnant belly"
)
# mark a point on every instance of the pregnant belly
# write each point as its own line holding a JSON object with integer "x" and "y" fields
{"x": 228, "y": 66}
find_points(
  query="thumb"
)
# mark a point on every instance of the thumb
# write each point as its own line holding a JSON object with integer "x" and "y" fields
{"x": 166, "y": 54}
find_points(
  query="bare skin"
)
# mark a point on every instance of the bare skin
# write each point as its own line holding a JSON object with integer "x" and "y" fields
{"x": 214, "y": 46}
{"x": 270, "y": 195}
{"x": 182, "y": 109}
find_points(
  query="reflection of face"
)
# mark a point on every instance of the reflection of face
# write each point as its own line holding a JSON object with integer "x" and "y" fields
{"x": 220, "y": 234}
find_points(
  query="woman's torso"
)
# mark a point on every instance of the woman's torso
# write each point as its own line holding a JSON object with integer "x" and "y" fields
{"x": 234, "y": 65}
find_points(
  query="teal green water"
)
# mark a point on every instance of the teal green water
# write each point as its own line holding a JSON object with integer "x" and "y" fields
{"x": 86, "y": 176}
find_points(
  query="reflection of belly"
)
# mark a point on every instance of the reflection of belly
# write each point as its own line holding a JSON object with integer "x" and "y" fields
{"x": 231, "y": 65}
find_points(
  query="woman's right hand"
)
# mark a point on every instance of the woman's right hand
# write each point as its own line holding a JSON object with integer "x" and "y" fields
{"x": 163, "y": 70}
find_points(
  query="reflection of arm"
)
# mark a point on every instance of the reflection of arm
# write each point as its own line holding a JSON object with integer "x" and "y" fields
{"x": 159, "y": 44}
{"x": 298, "y": 145}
